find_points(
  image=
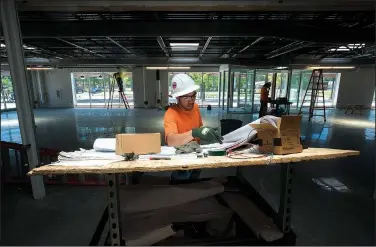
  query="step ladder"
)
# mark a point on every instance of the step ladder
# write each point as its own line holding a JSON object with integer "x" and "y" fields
{"x": 117, "y": 80}
{"x": 314, "y": 91}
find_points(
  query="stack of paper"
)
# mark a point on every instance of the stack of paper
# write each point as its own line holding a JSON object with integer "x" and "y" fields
{"x": 83, "y": 154}
{"x": 241, "y": 136}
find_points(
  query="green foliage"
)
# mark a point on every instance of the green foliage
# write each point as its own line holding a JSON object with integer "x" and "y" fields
{"x": 208, "y": 81}
{"x": 6, "y": 82}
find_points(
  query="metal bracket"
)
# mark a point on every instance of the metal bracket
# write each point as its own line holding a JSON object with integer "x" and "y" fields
{"x": 285, "y": 197}
{"x": 114, "y": 209}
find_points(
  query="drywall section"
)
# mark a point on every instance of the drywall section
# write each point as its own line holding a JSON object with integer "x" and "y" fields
{"x": 164, "y": 87}
{"x": 146, "y": 88}
{"x": 356, "y": 87}
{"x": 58, "y": 87}
{"x": 151, "y": 88}
{"x": 138, "y": 87}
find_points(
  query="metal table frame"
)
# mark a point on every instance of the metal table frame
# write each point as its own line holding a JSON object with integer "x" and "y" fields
{"x": 113, "y": 206}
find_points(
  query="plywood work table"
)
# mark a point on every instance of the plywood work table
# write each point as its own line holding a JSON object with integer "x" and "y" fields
{"x": 191, "y": 164}
{"x": 113, "y": 170}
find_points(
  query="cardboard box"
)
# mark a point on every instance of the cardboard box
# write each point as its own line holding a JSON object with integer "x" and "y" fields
{"x": 283, "y": 139}
{"x": 147, "y": 143}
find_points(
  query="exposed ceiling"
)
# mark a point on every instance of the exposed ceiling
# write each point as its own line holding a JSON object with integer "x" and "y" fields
{"x": 237, "y": 37}
{"x": 194, "y": 5}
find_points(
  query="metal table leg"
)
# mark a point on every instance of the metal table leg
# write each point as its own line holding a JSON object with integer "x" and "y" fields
{"x": 285, "y": 197}
{"x": 114, "y": 209}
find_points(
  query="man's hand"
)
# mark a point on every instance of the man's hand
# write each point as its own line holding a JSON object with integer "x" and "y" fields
{"x": 207, "y": 134}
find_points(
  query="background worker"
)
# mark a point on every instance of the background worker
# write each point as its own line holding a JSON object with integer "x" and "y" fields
{"x": 264, "y": 99}
{"x": 183, "y": 122}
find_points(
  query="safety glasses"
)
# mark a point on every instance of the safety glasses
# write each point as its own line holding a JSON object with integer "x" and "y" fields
{"x": 187, "y": 97}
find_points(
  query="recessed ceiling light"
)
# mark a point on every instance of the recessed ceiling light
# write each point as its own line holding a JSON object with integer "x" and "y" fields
{"x": 331, "y": 67}
{"x": 184, "y": 44}
{"x": 179, "y": 67}
{"x": 28, "y": 47}
{"x": 161, "y": 68}
{"x": 39, "y": 68}
{"x": 165, "y": 68}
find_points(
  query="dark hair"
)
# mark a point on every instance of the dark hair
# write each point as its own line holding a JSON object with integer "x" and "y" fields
{"x": 267, "y": 84}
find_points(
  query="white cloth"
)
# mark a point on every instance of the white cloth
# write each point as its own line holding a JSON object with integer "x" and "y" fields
{"x": 105, "y": 145}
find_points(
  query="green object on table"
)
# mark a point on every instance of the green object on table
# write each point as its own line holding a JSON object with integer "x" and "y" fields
{"x": 217, "y": 153}
{"x": 130, "y": 156}
{"x": 191, "y": 147}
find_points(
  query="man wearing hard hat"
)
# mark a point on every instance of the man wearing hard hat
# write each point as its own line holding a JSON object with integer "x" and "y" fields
{"x": 183, "y": 122}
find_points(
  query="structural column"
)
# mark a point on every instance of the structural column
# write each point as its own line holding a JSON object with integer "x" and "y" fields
{"x": 15, "y": 53}
{"x": 289, "y": 77}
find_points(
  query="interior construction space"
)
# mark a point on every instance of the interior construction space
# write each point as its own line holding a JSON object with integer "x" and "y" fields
{"x": 60, "y": 67}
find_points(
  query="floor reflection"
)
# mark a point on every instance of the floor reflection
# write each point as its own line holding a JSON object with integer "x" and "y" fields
{"x": 319, "y": 215}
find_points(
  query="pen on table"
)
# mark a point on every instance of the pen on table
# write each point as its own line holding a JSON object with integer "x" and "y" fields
{"x": 160, "y": 158}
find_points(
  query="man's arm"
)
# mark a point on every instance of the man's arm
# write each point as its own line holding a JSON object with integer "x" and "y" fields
{"x": 172, "y": 137}
{"x": 174, "y": 140}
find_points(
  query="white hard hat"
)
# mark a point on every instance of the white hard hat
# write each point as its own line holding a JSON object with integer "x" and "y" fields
{"x": 182, "y": 84}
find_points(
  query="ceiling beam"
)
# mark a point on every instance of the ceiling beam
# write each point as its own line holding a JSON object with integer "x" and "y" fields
{"x": 80, "y": 47}
{"x": 163, "y": 46}
{"x": 287, "y": 49}
{"x": 193, "y": 5}
{"x": 245, "y": 48}
{"x": 205, "y": 46}
{"x": 119, "y": 45}
{"x": 194, "y": 28}
{"x": 194, "y": 62}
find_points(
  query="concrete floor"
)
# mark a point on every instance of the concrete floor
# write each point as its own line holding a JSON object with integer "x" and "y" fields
{"x": 332, "y": 200}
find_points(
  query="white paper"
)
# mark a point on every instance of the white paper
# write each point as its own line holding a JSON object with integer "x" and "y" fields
{"x": 83, "y": 154}
{"x": 83, "y": 163}
{"x": 247, "y": 132}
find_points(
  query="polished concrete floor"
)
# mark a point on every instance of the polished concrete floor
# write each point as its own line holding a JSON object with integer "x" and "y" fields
{"x": 332, "y": 201}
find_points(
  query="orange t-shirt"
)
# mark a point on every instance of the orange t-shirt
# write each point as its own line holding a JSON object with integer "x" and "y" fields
{"x": 178, "y": 121}
{"x": 264, "y": 94}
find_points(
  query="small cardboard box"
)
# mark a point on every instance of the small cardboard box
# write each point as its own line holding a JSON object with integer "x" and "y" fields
{"x": 283, "y": 139}
{"x": 147, "y": 143}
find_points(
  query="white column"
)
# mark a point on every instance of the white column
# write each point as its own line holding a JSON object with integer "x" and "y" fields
{"x": 15, "y": 53}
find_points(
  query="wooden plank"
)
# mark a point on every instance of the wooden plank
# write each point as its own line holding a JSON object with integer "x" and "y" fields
{"x": 260, "y": 224}
{"x": 191, "y": 164}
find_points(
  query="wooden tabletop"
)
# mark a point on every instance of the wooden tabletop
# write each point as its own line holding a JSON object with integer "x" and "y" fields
{"x": 190, "y": 164}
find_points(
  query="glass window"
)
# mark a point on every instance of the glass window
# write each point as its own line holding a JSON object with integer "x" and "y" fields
{"x": 260, "y": 81}
{"x": 94, "y": 89}
{"x": 294, "y": 89}
{"x": 7, "y": 93}
{"x": 210, "y": 88}
{"x": 281, "y": 85}
{"x": 207, "y": 94}
{"x": 329, "y": 82}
